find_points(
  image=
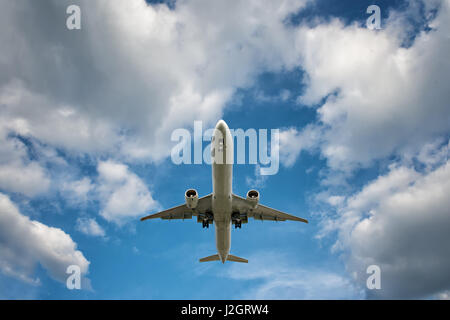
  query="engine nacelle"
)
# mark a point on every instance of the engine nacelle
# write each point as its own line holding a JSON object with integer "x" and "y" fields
{"x": 253, "y": 198}
{"x": 191, "y": 197}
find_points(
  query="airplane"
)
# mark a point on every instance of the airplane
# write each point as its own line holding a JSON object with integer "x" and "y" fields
{"x": 223, "y": 208}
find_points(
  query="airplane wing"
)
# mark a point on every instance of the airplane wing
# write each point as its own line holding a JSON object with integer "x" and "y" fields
{"x": 261, "y": 212}
{"x": 183, "y": 212}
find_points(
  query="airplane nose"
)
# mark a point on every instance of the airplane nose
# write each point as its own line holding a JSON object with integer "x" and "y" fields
{"x": 221, "y": 125}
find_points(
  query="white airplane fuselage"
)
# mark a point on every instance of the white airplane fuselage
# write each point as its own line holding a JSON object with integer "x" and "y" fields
{"x": 222, "y": 176}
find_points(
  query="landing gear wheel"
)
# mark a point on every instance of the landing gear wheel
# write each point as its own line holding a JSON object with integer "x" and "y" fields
{"x": 205, "y": 224}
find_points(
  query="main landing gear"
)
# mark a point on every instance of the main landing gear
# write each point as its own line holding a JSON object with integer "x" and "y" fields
{"x": 238, "y": 224}
{"x": 205, "y": 224}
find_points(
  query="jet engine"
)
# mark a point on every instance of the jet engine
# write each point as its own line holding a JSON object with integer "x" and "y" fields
{"x": 253, "y": 197}
{"x": 191, "y": 196}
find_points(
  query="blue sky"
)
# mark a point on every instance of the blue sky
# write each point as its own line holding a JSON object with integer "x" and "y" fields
{"x": 85, "y": 123}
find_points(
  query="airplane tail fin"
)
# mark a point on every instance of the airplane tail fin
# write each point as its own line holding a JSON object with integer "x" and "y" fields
{"x": 215, "y": 257}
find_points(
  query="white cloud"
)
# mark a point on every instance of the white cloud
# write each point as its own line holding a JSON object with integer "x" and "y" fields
{"x": 29, "y": 179}
{"x": 90, "y": 227}
{"x": 431, "y": 154}
{"x": 122, "y": 194}
{"x": 284, "y": 95}
{"x": 293, "y": 142}
{"x": 126, "y": 103}
{"x": 280, "y": 279}
{"x": 259, "y": 181}
{"x": 400, "y": 222}
{"x": 385, "y": 98}
{"x": 17, "y": 172}
{"x": 76, "y": 192}
{"x": 173, "y": 67}
{"x": 24, "y": 243}
{"x": 33, "y": 114}
{"x": 164, "y": 68}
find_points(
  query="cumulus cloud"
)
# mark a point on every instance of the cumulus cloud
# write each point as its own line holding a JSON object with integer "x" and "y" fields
{"x": 134, "y": 71}
{"x": 278, "y": 278}
{"x": 293, "y": 142}
{"x": 284, "y": 95}
{"x": 18, "y": 173}
{"x": 122, "y": 194}
{"x": 24, "y": 243}
{"x": 258, "y": 181}
{"x": 29, "y": 179}
{"x": 38, "y": 115}
{"x": 381, "y": 98}
{"x": 90, "y": 227}
{"x": 127, "y": 102}
{"x": 76, "y": 192}
{"x": 400, "y": 222}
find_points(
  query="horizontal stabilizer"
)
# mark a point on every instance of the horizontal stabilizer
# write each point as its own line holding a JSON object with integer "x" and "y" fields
{"x": 214, "y": 257}
{"x": 236, "y": 259}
